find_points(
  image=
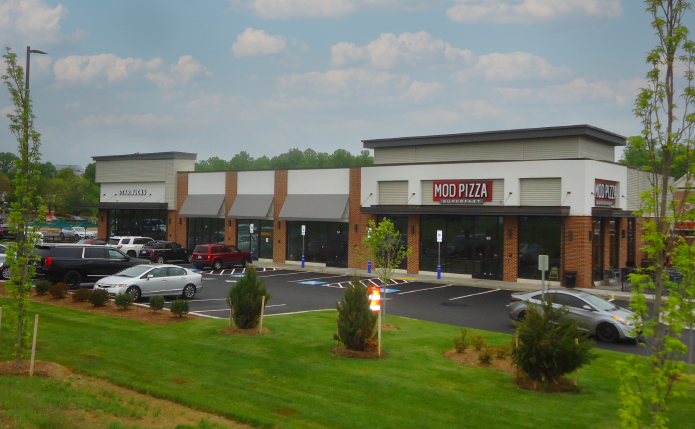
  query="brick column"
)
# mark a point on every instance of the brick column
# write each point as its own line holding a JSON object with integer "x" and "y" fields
{"x": 103, "y": 221}
{"x": 622, "y": 247}
{"x": 414, "y": 243}
{"x": 181, "y": 233}
{"x": 171, "y": 225}
{"x": 280, "y": 234}
{"x": 230, "y": 195}
{"x": 578, "y": 249}
{"x": 511, "y": 249}
{"x": 357, "y": 219}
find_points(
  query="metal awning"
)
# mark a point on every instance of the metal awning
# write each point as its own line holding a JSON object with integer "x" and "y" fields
{"x": 481, "y": 210}
{"x": 203, "y": 205}
{"x": 317, "y": 207}
{"x": 252, "y": 207}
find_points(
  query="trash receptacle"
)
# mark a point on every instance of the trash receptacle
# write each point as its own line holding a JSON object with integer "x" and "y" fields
{"x": 570, "y": 278}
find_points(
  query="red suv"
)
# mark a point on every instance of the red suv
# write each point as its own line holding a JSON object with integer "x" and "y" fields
{"x": 218, "y": 256}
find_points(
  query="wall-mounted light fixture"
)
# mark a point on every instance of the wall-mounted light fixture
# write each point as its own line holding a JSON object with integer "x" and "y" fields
{"x": 570, "y": 235}
{"x": 279, "y": 225}
{"x": 510, "y": 233}
{"x": 169, "y": 221}
{"x": 623, "y": 234}
{"x": 356, "y": 228}
{"x": 412, "y": 229}
{"x": 591, "y": 234}
{"x": 229, "y": 222}
{"x": 180, "y": 221}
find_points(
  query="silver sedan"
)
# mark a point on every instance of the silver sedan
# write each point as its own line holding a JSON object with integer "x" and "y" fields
{"x": 148, "y": 280}
{"x": 597, "y": 316}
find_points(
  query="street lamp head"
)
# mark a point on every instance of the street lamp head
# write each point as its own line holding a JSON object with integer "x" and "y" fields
{"x": 36, "y": 51}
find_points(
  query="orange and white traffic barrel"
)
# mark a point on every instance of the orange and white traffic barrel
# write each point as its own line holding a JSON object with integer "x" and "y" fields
{"x": 374, "y": 294}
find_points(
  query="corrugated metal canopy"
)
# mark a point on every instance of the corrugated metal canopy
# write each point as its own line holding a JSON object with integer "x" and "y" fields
{"x": 203, "y": 205}
{"x": 252, "y": 206}
{"x": 325, "y": 207}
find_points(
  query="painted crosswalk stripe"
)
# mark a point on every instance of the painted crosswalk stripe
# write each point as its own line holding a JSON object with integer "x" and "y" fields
{"x": 474, "y": 294}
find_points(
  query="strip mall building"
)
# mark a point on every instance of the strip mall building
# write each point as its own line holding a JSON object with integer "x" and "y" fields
{"x": 500, "y": 199}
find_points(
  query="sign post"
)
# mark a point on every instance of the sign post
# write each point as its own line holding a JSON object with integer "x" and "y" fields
{"x": 369, "y": 262}
{"x": 543, "y": 266}
{"x": 439, "y": 254}
{"x": 251, "y": 241}
{"x": 303, "y": 234}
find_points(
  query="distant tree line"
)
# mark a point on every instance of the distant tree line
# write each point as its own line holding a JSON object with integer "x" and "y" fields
{"x": 293, "y": 159}
{"x": 635, "y": 155}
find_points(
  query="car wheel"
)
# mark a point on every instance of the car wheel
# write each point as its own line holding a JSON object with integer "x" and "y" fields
{"x": 72, "y": 279}
{"x": 189, "y": 258}
{"x": 189, "y": 291}
{"x": 131, "y": 253}
{"x": 135, "y": 291}
{"x": 5, "y": 273}
{"x": 159, "y": 259}
{"x": 522, "y": 315}
{"x": 245, "y": 262}
{"x": 607, "y": 333}
{"x": 217, "y": 265}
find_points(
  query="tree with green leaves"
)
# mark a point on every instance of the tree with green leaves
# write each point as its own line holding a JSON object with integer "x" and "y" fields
{"x": 27, "y": 205}
{"x": 383, "y": 247}
{"x": 356, "y": 321}
{"x": 648, "y": 384}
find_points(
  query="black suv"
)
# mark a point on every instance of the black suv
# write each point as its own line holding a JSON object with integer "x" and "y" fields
{"x": 77, "y": 263}
{"x": 165, "y": 251}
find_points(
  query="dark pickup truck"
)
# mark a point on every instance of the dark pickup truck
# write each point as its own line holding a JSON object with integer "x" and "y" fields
{"x": 162, "y": 252}
{"x": 217, "y": 256}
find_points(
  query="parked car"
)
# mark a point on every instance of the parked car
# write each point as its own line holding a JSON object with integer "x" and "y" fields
{"x": 217, "y": 256}
{"x": 69, "y": 234}
{"x": 596, "y": 316}
{"x": 77, "y": 263}
{"x": 146, "y": 280}
{"x": 84, "y": 233}
{"x": 6, "y": 233}
{"x": 129, "y": 245}
{"x": 164, "y": 251}
{"x": 93, "y": 241}
{"x": 4, "y": 268}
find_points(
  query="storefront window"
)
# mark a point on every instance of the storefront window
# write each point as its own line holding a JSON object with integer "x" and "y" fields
{"x": 614, "y": 228}
{"x": 324, "y": 242}
{"x": 205, "y": 231}
{"x": 470, "y": 244}
{"x": 539, "y": 236}
{"x": 145, "y": 223}
{"x": 400, "y": 224}
{"x": 260, "y": 242}
{"x": 631, "y": 262}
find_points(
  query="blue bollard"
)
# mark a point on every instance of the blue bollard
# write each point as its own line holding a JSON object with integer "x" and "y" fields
{"x": 369, "y": 267}
{"x": 439, "y": 272}
{"x": 302, "y": 261}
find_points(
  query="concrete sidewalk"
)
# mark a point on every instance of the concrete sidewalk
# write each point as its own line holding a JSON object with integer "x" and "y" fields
{"x": 448, "y": 279}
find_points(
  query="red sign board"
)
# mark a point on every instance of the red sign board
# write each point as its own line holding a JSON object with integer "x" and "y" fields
{"x": 462, "y": 191}
{"x": 605, "y": 193}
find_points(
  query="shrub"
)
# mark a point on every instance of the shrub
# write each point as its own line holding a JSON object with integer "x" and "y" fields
{"x": 99, "y": 298}
{"x": 42, "y": 287}
{"x": 547, "y": 348}
{"x": 478, "y": 342}
{"x": 356, "y": 321}
{"x": 156, "y": 303}
{"x": 245, "y": 299}
{"x": 462, "y": 343}
{"x": 179, "y": 307}
{"x": 82, "y": 295}
{"x": 124, "y": 300}
{"x": 485, "y": 356}
{"x": 502, "y": 352}
{"x": 59, "y": 290}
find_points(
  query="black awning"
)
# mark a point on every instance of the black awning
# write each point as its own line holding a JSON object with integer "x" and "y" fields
{"x": 126, "y": 206}
{"x": 470, "y": 210}
{"x": 610, "y": 212}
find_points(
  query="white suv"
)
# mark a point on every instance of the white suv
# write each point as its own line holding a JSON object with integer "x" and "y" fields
{"x": 129, "y": 245}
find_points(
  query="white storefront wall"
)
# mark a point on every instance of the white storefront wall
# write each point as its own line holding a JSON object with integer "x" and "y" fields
{"x": 133, "y": 192}
{"x": 206, "y": 183}
{"x": 319, "y": 181}
{"x": 578, "y": 177}
{"x": 256, "y": 182}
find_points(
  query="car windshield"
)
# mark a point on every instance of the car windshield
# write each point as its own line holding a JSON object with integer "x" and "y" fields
{"x": 597, "y": 302}
{"x": 135, "y": 271}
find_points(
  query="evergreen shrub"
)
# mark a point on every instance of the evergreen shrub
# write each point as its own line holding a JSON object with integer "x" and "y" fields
{"x": 156, "y": 303}
{"x": 99, "y": 298}
{"x": 356, "y": 321}
{"x": 124, "y": 300}
{"x": 179, "y": 307}
{"x": 42, "y": 287}
{"x": 478, "y": 342}
{"x": 245, "y": 299}
{"x": 462, "y": 343}
{"x": 59, "y": 290}
{"x": 81, "y": 295}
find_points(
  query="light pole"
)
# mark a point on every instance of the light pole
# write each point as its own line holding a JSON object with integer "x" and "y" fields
{"x": 26, "y": 84}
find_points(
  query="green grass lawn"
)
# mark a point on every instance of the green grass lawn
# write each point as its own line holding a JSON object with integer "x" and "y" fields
{"x": 291, "y": 371}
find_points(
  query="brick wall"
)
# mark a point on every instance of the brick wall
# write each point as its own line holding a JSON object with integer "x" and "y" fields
{"x": 414, "y": 243}
{"x": 578, "y": 249}
{"x": 180, "y": 226}
{"x": 511, "y": 249}
{"x": 230, "y": 224}
{"x": 171, "y": 225}
{"x": 357, "y": 259}
{"x": 280, "y": 233}
{"x": 103, "y": 217}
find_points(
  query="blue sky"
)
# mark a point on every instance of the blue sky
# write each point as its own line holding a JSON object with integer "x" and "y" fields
{"x": 264, "y": 76}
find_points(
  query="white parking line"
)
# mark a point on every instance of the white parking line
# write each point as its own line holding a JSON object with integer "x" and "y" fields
{"x": 474, "y": 294}
{"x": 286, "y": 274}
{"x": 202, "y": 300}
{"x": 299, "y": 312}
{"x": 314, "y": 278}
{"x": 420, "y": 290}
{"x": 195, "y": 313}
{"x": 276, "y": 305}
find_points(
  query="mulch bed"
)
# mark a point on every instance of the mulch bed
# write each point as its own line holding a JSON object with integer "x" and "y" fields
{"x": 235, "y": 330}
{"x": 41, "y": 369}
{"x": 367, "y": 354}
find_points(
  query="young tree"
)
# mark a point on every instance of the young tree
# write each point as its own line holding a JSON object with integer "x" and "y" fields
{"x": 383, "y": 247}
{"x": 648, "y": 384}
{"x": 27, "y": 203}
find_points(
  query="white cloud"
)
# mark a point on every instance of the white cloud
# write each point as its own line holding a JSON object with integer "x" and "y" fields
{"x": 274, "y": 9}
{"x": 479, "y": 109}
{"x": 72, "y": 106}
{"x": 389, "y": 51}
{"x": 435, "y": 117}
{"x": 9, "y": 110}
{"x": 621, "y": 92}
{"x": 35, "y": 22}
{"x": 513, "y": 66}
{"x": 180, "y": 73}
{"x": 86, "y": 68}
{"x": 147, "y": 120}
{"x": 253, "y": 43}
{"x": 421, "y": 90}
{"x": 530, "y": 11}
{"x": 344, "y": 81}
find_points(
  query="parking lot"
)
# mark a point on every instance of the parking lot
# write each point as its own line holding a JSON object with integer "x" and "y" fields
{"x": 302, "y": 291}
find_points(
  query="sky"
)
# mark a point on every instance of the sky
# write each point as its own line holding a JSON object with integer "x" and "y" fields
{"x": 217, "y": 77}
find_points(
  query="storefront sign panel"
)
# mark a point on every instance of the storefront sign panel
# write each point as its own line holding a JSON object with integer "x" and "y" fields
{"x": 132, "y": 192}
{"x": 605, "y": 193}
{"x": 462, "y": 191}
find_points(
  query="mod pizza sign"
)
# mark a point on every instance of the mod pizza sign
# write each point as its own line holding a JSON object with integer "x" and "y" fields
{"x": 605, "y": 192}
{"x": 462, "y": 191}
